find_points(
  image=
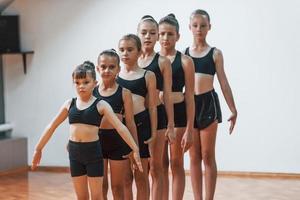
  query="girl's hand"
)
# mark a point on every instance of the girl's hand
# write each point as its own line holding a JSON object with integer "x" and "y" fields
{"x": 170, "y": 135}
{"x": 36, "y": 159}
{"x": 232, "y": 120}
{"x": 187, "y": 140}
{"x": 150, "y": 143}
{"x": 135, "y": 160}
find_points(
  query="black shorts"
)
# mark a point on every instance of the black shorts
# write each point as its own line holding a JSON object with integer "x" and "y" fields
{"x": 113, "y": 146}
{"x": 142, "y": 121}
{"x": 161, "y": 117}
{"x": 180, "y": 114}
{"x": 207, "y": 109}
{"x": 85, "y": 158}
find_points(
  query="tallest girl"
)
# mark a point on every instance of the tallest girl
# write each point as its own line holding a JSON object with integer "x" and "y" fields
{"x": 183, "y": 98}
{"x": 208, "y": 62}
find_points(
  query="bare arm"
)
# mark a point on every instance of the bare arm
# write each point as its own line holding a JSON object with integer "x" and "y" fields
{"x": 129, "y": 116}
{"x": 225, "y": 87}
{"x": 189, "y": 73}
{"x": 48, "y": 132}
{"x": 151, "y": 86}
{"x": 105, "y": 109}
{"x": 166, "y": 68}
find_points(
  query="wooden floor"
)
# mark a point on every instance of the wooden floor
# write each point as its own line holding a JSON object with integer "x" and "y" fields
{"x": 56, "y": 186}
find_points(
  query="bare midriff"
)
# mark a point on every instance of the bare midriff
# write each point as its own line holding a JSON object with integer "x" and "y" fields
{"x": 83, "y": 133}
{"x": 203, "y": 83}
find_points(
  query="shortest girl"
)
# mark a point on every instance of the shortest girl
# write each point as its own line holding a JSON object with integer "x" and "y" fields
{"x": 85, "y": 114}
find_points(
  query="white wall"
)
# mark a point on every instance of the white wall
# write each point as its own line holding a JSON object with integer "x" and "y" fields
{"x": 259, "y": 40}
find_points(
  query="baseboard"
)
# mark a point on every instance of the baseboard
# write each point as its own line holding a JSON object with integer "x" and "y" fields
{"x": 58, "y": 169}
{"x": 55, "y": 169}
{"x": 259, "y": 175}
{"x": 14, "y": 171}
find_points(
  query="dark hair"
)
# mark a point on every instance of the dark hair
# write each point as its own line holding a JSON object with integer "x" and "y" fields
{"x": 170, "y": 19}
{"x": 81, "y": 70}
{"x": 110, "y": 52}
{"x": 148, "y": 18}
{"x": 200, "y": 12}
{"x": 133, "y": 37}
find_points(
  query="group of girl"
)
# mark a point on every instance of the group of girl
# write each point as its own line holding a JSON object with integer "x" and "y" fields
{"x": 154, "y": 103}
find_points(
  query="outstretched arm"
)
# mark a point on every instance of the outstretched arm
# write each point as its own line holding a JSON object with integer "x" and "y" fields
{"x": 48, "y": 132}
{"x": 129, "y": 116}
{"x": 105, "y": 109}
{"x": 225, "y": 87}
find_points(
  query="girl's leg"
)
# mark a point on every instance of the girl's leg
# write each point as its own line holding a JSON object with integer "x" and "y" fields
{"x": 166, "y": 172}
{"x": 128, "y": 195}
{"x": 142, "y": 181}
{"x": 81, "y": 187}
{"x": 156, "y": 165}
{"x": 117, "y": 176}
{"x": 178, "y": 175}
{"x": 208, "y": 141}
{"x": 196, "y": 165}
{"x": 95, "y": 184}
{"x": 105, "y": 179}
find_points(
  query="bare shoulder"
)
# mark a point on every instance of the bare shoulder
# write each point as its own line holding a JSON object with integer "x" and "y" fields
{"x": 125, "y": 92}
{"x": 102, "y": 105}
{"x": 149, "y": 74}
{"x": 163, "y": 62}
{"x": 163, "y": 59}
{"x": 187, "y": 62}
{"x": 186, "y": 59}
{"x": 67, "y": 104}
{"x": 217, "y": 54}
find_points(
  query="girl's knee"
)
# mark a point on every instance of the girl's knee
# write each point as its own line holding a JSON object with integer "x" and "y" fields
{"x": 208, "y": 158}
{"x": 84, "y": 196}
{"x": 118, "y": 190}
{"x": 96, "y": 196}
{"x": 176, "y": 164}
{"x": 141, "y": 180}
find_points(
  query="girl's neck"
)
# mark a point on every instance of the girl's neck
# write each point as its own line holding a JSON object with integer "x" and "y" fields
{"x": 129, "y": 68}
{"x": 147, "y": 53}
{"x": 104, "y": 85}
{"x": 168, "y": 52}
{"x": 86, "y": 99}
{"x": 199, "y": 45}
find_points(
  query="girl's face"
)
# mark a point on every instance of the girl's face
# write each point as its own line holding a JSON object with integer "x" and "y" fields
{"x": 168, "y": 36}
{"x": 85, "y": 86}
{"x": 108, "y": 67}
{"x": 148, "y": 34}
{"x": 199, "y": 25}
{"x": 128, "y": 52}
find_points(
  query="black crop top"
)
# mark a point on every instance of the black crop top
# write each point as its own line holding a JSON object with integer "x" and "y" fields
{"x": 178, "y": 80}
{"x": 89, "y": 115}
{"x": 136, "y": 86}
{"x": 205, "y": 64}
{"x": 154, "y": 67}
{"x": 115, "y": 100}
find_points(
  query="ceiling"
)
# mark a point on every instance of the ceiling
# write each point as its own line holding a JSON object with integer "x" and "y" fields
{"x": 4, "y": 4}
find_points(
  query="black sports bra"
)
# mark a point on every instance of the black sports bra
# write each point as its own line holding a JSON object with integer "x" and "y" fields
{"x": 205, "y": 64}
{"x": 89, "y": 115}
{"x": 178, "y": 80}
{"x": 136, "y": 86}
{"x": 154, "y": 67}
{"x": 115, "y": 100}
